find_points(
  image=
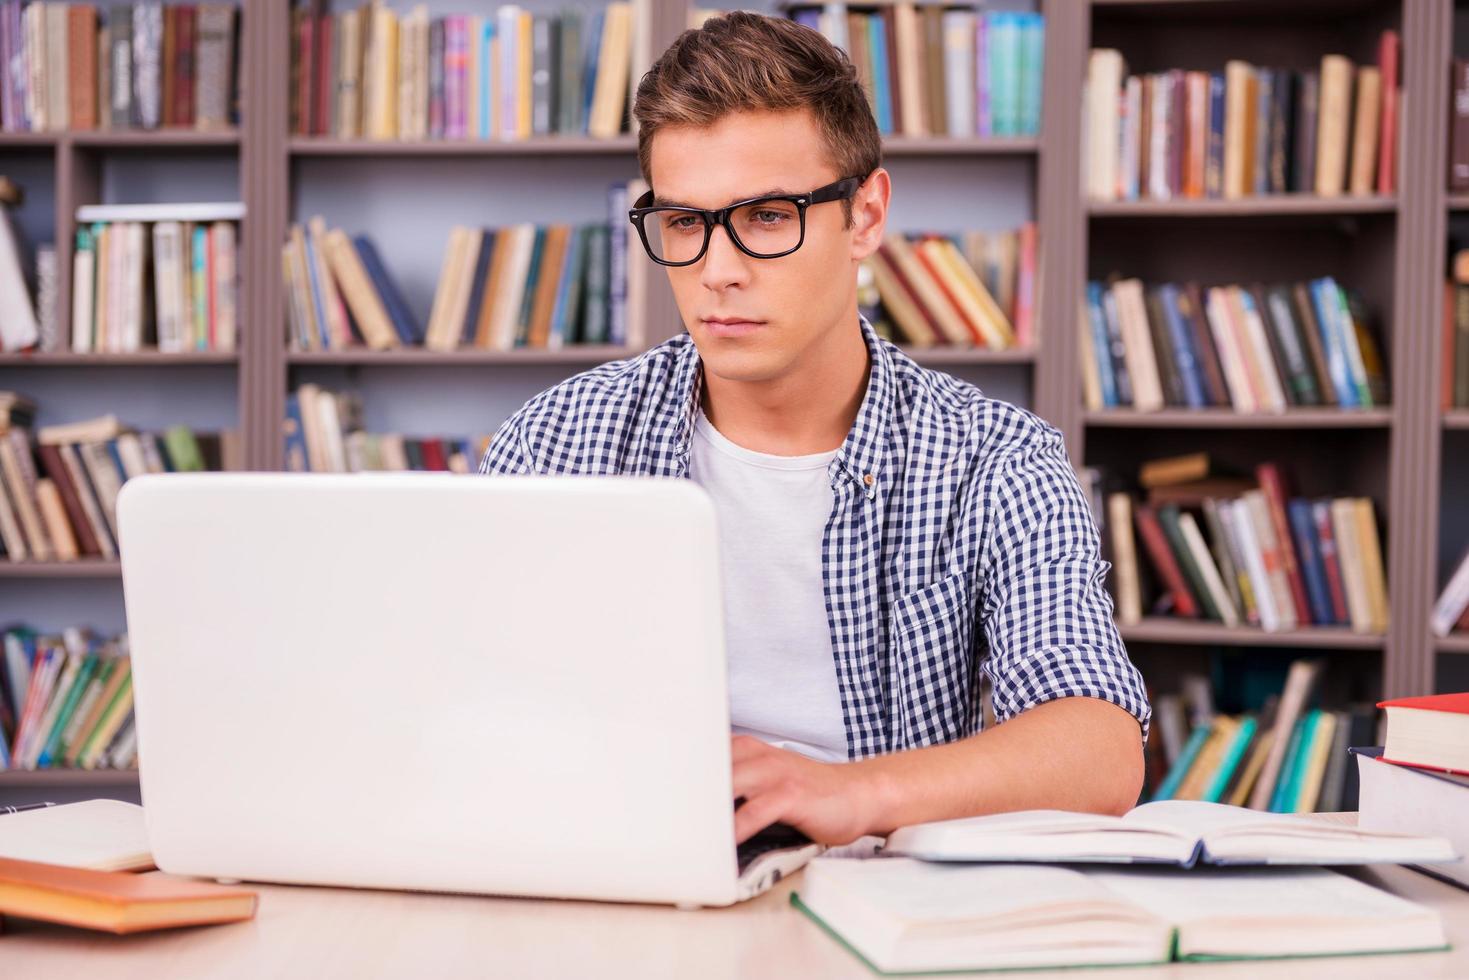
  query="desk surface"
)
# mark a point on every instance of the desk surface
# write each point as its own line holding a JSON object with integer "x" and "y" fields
{"x": 329, "y": 932}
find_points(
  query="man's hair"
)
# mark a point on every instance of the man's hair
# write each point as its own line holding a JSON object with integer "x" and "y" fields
{"x": 745, "y": 61}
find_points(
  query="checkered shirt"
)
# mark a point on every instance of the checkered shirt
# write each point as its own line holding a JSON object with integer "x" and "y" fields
{"x": 959, "y": 546}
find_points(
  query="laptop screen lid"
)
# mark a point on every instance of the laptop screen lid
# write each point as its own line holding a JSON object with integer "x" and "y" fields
{"x": 432, "y": 681}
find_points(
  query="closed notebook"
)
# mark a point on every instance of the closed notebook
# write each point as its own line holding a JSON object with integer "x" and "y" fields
{"x": 111, "y": 901}
{"x": 102, "y": 835}
{"x": 1181, "y": 832}
{"x": 905, "y": 916}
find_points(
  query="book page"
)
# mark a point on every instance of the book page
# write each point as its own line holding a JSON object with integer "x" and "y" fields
{"x": 1039, "y": 835}
{"x": 104, "y": 835}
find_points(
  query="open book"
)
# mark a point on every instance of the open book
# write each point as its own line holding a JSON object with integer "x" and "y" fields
{"x": 1182, "y": 832}
{"x": 907, "y": 916}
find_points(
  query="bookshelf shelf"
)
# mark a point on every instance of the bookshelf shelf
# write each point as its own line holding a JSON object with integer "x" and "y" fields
{"x": 574, "y": 355}
{"x": 151, "y": 139}
{"x": 1453, "y": 643}
{"x": 90, "y": 568}
{"x": 1160, "y": 629}
{"x": 1304, "y": 205}
{"x": 914, "y": 146}
{"x": 9, "y": 140}
{"x": 1457, "y": 418}
{"x": 1458, "y": 202}
{"x": 969, "y": 356}
{"x": 307, "y": 146}
{"x": 55, "y": 778}
{"x": 135, "y": 359}
{"x": 1223, "y": 418}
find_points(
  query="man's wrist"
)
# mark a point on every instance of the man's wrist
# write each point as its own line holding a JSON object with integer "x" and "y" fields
{"x": 878, "y": 796}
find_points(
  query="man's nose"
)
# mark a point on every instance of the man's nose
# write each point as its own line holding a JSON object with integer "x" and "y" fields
{"x": 724, "y": 263}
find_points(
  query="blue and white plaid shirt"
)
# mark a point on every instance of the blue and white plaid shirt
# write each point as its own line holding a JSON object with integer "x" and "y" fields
{"x": 950, "y": 510}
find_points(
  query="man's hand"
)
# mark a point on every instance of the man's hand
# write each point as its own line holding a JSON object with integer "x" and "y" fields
{"x": 829, "y": 802}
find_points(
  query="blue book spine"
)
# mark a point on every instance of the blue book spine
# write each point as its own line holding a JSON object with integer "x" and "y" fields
{"x": 1117, "y": 348}
{"x": 485, "y": 82}
{"x": 316, "y": 303}
{"x": 1323, "y": 298}
{"x": 984, "y": 118}
{"x": 617, "y": 301}
{"x": 1007, "y": 83}
{"x": 404, "y": 324}
{"x": 1214, "y": 161}
{"x": 563, "y": 290}
{"x": 808, "y": 17}
{"x": 1233, "y": 758}
{"x": 1184, "y": 355}
{"x": 297, "y": 460}
{"x": 1033, "y": 58}
{"x": 877, "y": 46}
{"x": 1181, "y": 765}
{"x": 116, "y": 457}
{"x": 1101, "y": 350}
{"x": 1264, "y": 97}
{"x": 1308, "y": 549}
{"x": 589, "y": 78}
{"x": 477, "y": 286}
{"x": 1282, "y": 796}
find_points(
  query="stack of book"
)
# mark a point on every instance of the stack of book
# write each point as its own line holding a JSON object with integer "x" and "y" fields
{"x": 520, "y": 286}
{"x": 65, "y": 509}
{"x": 1418, "y": 782}
{"x": 324, "y": 434}
{"x": 1287, "y": 756}
{"x": 161, "y": 276}
{"x": 975, "y": 289}
{"x": 142, "y": 65}
{"x": 1253, "y": 349}
{"x": 1270, "y": 560}
{"x": 1245, "y": 131}
{"x": 506, "y": 75}
{"x": 938, "y": 70}
{"x": 66, "y": 701}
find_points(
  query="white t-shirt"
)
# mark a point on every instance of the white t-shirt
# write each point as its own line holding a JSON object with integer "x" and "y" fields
{"x": 772, "y": 514}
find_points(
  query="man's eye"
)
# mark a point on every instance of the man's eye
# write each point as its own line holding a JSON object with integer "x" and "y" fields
{"x": 682, "y": 223}
{"x": 771, "y": 217}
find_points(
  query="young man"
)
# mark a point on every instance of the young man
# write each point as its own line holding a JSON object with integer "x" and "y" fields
{"x": 889, "y": 534}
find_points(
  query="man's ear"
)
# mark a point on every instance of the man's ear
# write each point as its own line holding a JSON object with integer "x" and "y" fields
{"x": 870, "y": 214}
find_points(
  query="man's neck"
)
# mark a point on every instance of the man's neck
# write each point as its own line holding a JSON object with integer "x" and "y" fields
{"x": 811, "y": 410}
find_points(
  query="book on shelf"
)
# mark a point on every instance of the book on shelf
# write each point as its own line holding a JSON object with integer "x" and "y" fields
{"x": 507, "y": 73}
{"x": 75, "y": 66}
{"x": 58, "y": 496}
{"x": 975, "y": 289}
{"x": 901, "y": 915}
{"x": 1254, "y": 349}
{"x": 1278, "y": 752}
{"x": 951, "y": 70}
{"x": 1186, "y": 833}
{"x": 1408, "y": 800}
{"x": 1454, "y": 366}
{"x": 1458, "y": 155}
{"x": 67, "y": 701}
{"x": 1245, "y": 131}
{"x": 20, "y": 327}
{"x": 521, "y": 286}
{"x": 1268, "y": 559}
{"x": 324, "y": 434}
{"x": 161, "y": 277}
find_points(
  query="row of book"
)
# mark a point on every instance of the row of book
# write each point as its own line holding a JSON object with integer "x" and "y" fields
{"x": 66, "y": 701}
{"x": 1269, "y": 559}
{"x": 1245, "y": 131}
{"x": 974, "y": 289}
{"x": 142, "y": 65}
{"x": 507, "y": 75}
{"x": 1251, "y": 348}
{"x": 1287, "y": 756}
{"x": 520, "y": 286}
{"x": 58, "y": 497}
{"x": 1454, "y": 368}
{"x": 324, "y": 434}
{"x": 940, "y": 70}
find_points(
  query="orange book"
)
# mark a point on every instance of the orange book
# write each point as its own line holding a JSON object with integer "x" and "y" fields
{"x": 114, "y": 901}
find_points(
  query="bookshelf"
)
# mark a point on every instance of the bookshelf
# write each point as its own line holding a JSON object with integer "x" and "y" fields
{"x": 1391, "y": 247}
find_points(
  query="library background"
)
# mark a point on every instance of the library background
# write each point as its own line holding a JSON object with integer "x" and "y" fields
{"x": 1215, "y": 242}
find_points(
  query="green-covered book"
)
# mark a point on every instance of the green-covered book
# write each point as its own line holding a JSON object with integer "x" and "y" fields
{"x": 901, "y": 915}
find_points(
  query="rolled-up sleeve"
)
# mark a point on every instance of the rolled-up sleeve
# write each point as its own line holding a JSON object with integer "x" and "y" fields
{"x": 1047, "y": 616}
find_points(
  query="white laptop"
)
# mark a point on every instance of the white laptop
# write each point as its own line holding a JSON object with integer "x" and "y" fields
{"x": 441, "y": 682}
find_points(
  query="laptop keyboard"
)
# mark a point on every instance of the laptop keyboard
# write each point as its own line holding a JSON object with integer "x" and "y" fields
{"x": 772, "y": 838}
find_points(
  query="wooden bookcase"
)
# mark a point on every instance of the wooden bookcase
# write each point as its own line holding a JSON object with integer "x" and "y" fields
{"x": 1392, "y": 248}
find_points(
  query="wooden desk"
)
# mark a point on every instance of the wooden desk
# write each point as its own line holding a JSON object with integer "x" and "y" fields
{"x": 328, "y": 932}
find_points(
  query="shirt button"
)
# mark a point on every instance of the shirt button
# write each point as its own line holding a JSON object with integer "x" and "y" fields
{"x": 869, "y": 479}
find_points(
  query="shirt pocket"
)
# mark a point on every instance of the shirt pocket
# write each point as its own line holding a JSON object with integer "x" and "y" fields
{"x": 931, "y": 671}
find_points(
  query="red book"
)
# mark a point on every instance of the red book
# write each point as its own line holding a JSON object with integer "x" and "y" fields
{"x": 322, "y": 87}
{"x": 1025, "y": 288}
{"x": 1429, "y": 732}
{"x": 1273, "y": 484}
{"x": 1321, "y": 515}
{"x": 1387, "y": 149}
{"x": 433, "y": 456}
{"x": 183, "y": 81}
{"x": 307, "y": 57}
{"x": 56, "y": 470}
{"x": 1156, "y": 543}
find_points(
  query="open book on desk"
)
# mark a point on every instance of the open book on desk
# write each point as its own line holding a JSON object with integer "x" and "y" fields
{"x": 906, "y": 916}
{"x": 1181, "y": 832}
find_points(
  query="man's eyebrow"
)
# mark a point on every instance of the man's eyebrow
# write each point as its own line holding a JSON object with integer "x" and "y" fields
{"x": 663, "y": 202}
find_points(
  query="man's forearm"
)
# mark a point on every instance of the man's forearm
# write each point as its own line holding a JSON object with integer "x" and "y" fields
{"x": 1074, "y": 753}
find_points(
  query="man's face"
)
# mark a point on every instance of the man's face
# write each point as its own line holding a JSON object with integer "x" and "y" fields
{"x": 790, "y": 306}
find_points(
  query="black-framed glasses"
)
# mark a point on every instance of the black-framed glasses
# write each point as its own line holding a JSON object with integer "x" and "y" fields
{"x": 761, "y": 227}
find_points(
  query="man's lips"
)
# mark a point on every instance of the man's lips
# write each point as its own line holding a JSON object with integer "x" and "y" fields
{"x": 732, "y": 328}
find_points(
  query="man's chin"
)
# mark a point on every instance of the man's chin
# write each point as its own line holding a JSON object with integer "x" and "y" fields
{"x": 729, "y": 363}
